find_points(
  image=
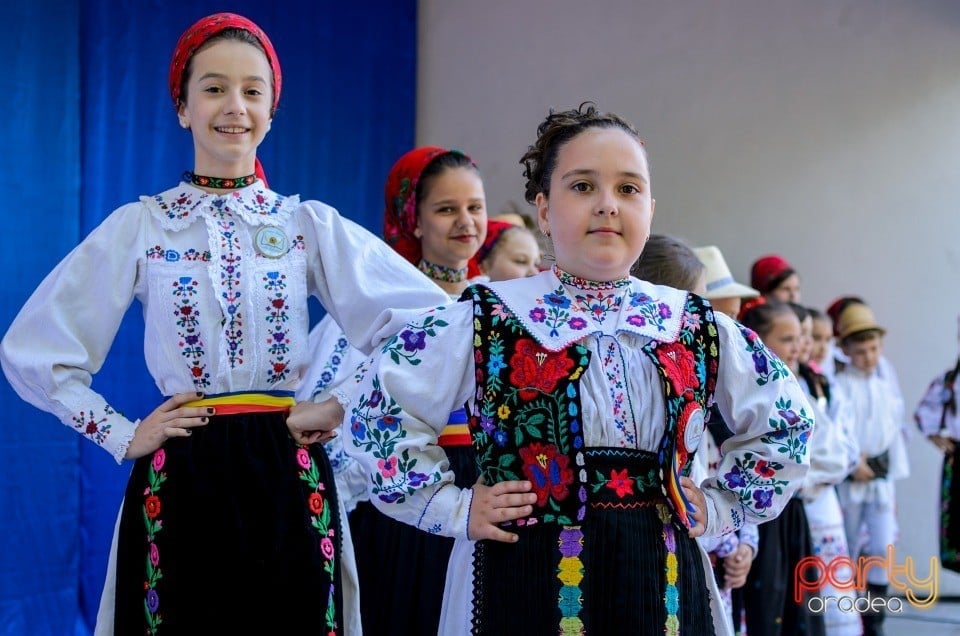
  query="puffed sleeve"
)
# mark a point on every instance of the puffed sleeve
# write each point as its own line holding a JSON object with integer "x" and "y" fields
{"x": 63, "y": 333}
{"x": 359, "y": 279}
{"x": 398, "y": 410}
{"x": 929, "y": 414}
{"x": 765, "y": 460}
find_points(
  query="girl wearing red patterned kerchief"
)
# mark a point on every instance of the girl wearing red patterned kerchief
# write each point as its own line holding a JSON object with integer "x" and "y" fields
{"x": 435, "y": 217}
{"x": 229, "y": 521}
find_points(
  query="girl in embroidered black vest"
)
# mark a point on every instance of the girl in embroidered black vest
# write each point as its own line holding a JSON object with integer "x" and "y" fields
{"x": 586, "y": 391}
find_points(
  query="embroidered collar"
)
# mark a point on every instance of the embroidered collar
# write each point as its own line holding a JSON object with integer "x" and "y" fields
{"x": 588, "y": 285}
{"x": 557, "y": 316}
{"x": 179, "y": 207}
{"x": 442, "y": 272}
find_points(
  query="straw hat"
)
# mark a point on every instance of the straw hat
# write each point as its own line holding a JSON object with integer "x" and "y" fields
{"x": 856, "y": 318}
{"x": 719, "y": 280}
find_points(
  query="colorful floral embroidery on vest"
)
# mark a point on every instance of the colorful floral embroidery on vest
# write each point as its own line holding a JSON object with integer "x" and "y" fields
{"x": 688, "y": 368}
{"x": 320, "y": 518}
{"x": 527, "y": 425}
{"x": 230, "y": 262}
{"x": 671, "y": 595}
{"x": 97, "y": 429}
{"x": 276, "y": 318}
{"x": 188, "y": 324}
{"x": 153, "y": 525}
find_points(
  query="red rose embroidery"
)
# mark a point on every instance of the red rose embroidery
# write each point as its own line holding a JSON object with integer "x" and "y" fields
{"x": 680, "y": 367}
{"x": 537, "y": 370}
{"x": 548, "y": 470}
{"x": 152, "y": 506}
{"x": 316, "y": 503}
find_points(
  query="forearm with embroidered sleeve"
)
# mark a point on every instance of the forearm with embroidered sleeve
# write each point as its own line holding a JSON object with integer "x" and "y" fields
{"x": 395, "y": 415}
{"x": 61, "y": 336}
{"x": 766, "y": 459}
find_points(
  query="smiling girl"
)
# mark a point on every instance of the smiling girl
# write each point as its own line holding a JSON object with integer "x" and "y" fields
{"x": 586, "y": 391}
{"x": 228, "y": 524}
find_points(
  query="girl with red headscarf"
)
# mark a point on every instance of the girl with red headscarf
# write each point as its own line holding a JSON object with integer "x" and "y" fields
{"x": 229, "y": 521}
{"x": 435, "y": 217}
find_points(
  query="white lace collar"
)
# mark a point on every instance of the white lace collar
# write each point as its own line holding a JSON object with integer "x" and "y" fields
{"x": 558, "y": 315}
{"x": 179, "y": 207}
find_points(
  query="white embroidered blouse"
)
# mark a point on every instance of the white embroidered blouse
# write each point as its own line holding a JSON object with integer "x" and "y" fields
{"x": 427, "y": 370}
{"x": 223, "y": 281}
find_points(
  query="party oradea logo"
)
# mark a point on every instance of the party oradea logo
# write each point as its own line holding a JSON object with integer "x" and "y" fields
{"x": 842, "y": 582}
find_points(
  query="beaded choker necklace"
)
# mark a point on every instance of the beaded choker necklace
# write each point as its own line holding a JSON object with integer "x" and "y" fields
{"x": 218, "y": 183}
{"x": 443, "y": 273}
{"x": 588, "y": 285}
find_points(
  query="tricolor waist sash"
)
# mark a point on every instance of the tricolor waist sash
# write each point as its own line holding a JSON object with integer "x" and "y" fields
{"x": 457, "y": 432}
{"x": 246, "y": 402}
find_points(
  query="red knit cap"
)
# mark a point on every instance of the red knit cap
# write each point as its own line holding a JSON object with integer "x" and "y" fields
{"x": 768, "y": 269}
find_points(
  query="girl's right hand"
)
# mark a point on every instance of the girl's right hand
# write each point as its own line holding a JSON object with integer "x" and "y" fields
{"x": 170, "y": 419}
{"x": 492, "y": 505}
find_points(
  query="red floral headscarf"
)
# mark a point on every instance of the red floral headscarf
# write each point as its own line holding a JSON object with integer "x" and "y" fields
{"x": 400, "y": 198}
{"x": 198, "y": 34}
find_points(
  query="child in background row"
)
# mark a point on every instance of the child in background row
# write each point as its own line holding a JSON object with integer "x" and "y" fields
{"x": 936, "y": 416}
{"x": 724, "y": 293}
{"x": 833, "y": 455}
{"x": 774, "y": 277}
{"x": 510, "y": 251}
{"x": 586, "y": 393}
{"x": 227, "y": 524}
{"x": 868, "y": 496}
{"x": 822, "y": 334}
{"x": 768, "y": 596}
{"x": 435, "y": 217}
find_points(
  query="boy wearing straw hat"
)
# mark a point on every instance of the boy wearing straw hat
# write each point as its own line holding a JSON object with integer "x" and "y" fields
{"x": 867, "y": 496}
{"x": 723, "y": 292}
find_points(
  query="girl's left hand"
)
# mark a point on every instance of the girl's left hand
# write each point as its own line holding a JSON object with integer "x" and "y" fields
{"x": 313, "y": 422}
{"x": 695, "y": 496}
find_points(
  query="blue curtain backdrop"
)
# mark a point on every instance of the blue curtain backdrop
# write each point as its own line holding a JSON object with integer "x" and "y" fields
{"x": 89, "y": 126}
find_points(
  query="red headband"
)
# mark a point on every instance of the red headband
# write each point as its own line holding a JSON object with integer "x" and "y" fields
{"x": 400, "y": 198}
{"x": 198, "y": 34}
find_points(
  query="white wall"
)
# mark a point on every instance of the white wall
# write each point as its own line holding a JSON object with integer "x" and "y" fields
{"x": 824, "y": 130}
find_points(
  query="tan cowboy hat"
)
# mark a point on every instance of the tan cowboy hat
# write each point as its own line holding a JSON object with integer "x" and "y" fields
{"x": 719, "y": 280}
{"x": 857, "y": 317}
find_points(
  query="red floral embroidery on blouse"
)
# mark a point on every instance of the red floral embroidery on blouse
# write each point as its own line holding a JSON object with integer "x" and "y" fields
{"x": 548, "y": 470}
{"x": 537, "y": 370}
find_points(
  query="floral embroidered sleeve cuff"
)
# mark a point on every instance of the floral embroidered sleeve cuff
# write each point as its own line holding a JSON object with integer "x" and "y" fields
{"x": 447, "y": 513}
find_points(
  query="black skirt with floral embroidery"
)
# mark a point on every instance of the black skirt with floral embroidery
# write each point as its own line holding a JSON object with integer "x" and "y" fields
{"x": 230, "y": 530}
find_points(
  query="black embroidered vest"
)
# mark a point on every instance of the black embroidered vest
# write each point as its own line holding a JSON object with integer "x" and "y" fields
{"x": 526, "y": 417}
